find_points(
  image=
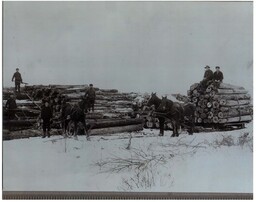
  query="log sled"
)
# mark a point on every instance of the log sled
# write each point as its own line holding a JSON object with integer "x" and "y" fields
{"x": 221, "y": 104}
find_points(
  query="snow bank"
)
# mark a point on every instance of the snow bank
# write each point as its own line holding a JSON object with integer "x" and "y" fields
{"x": 184, "y": 164}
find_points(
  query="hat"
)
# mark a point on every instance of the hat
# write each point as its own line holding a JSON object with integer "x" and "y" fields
{"x": 206, "y": 66}
{"x": 17, "y": 68}
{"x": 217, "y": 67}
{"x": 90, "y": 85}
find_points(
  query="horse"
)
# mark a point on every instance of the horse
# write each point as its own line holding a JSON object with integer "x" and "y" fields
{"x": 173, "y": 111}
{"x": 154, "y": 102}
{"x": 72, "y": 115}
{"x": 179, "y": 114}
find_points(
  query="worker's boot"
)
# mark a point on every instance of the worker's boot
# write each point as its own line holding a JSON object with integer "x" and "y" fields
{"x": 48, "y": 133}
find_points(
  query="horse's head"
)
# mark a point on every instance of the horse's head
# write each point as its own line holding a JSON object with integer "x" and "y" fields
{"x": 83, "y": 104}
{"x": 153, "y": 100}
{"x": 165, "y": 104}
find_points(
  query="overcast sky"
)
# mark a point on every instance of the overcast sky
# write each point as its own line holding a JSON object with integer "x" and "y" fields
{"x": 131, "y": 46}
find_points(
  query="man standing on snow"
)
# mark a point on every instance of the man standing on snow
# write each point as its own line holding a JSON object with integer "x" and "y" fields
{"x": 90, "y": 95}
{"x": 18, "y": 80}
{"x": 46, "y": 116}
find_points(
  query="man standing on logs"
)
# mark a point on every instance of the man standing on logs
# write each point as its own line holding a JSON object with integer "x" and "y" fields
{"x": 218, "y": 75}
{"x": 46, "y": 116}
{"x": 18, "y": 80}
{"x": 208, "y": 76}
{"x": 91, "y": 95}
{"x": 11, "y": 106}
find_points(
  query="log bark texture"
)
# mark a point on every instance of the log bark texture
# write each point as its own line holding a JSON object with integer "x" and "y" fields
{"x": 221, "y": 103}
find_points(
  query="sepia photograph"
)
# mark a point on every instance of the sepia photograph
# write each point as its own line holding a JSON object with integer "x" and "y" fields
{"x": 127, "y": 99}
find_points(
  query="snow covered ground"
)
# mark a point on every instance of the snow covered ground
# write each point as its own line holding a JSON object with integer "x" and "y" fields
{"x": 200, "y": 163}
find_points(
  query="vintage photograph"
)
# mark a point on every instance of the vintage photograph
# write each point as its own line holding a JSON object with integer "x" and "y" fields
{"x": 127, "y": 97}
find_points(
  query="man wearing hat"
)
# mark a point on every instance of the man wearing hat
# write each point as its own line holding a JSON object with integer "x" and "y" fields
{"x": 208, "y": 76}
{"x": 91, "y": 95}
{"x": 18, "y": 79}
{"x": 218, "y": 75}
{"x": 46, "y": 116}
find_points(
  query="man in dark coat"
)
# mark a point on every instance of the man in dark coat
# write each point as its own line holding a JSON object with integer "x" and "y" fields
{"x": 18, "y": 79}
{"x": 11, "y": 106}
{"x": 208, "y": 76}
{"x": 46, "y": 116}
{"x": 90, "y": 95}
{"x": 218, "y": 75}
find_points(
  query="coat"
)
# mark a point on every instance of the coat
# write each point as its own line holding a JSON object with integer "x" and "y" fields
{"x": 11, "y": 104}
{"x": 208, "y": 75}
{"x": 90, "y": 93}
{"x": 17, "y": 77}
{"x": 218, "y": 76}
{"x": 46, "y": 113}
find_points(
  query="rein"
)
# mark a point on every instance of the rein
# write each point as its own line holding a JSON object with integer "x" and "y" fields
{"x": 164, "y": 115}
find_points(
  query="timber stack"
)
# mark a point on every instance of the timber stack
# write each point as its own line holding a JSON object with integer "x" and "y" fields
{"x": 113, "y": 111}
{"x": 221, "y": 104}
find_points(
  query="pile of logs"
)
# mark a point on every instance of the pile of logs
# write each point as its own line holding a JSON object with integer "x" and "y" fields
{"x": 112, "y": 111}
{"x": 221, "y": 103}
{"x": 109, "y": 102}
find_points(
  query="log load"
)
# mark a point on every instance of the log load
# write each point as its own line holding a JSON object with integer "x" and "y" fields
{"x": 221, "y": 103}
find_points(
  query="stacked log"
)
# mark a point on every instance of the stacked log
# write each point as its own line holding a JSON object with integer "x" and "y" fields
{"x": 221, "y": 103}
{"x": 105, "y": 123}
{"x": 117, "y": 129}
{"x": 112, "y": 111}
{"x": 108, "y": 103}
{"x": 13, "y": 125}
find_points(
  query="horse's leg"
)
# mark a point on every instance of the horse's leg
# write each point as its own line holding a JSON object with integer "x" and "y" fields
{"x": 176, "y": 125}
{"x": 191, "y": 125}
{"x": 177, "y": 128}
{"x": 69, "y": 129}
{"x": 161, "y": 126}
{"x": 84, "y": 125}
{"x": 63, "y": 127}
{"x": 75, "y": 128}
{"x": 86, "y": 130}
{"x": 173, "y": 129}
{"x": 67, "y": 123}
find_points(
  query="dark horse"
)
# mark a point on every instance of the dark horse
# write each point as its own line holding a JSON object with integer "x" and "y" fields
{"x": 179, "y": 114}
{"x": 155, "y": 102}
{"x": 74, "y": 115}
